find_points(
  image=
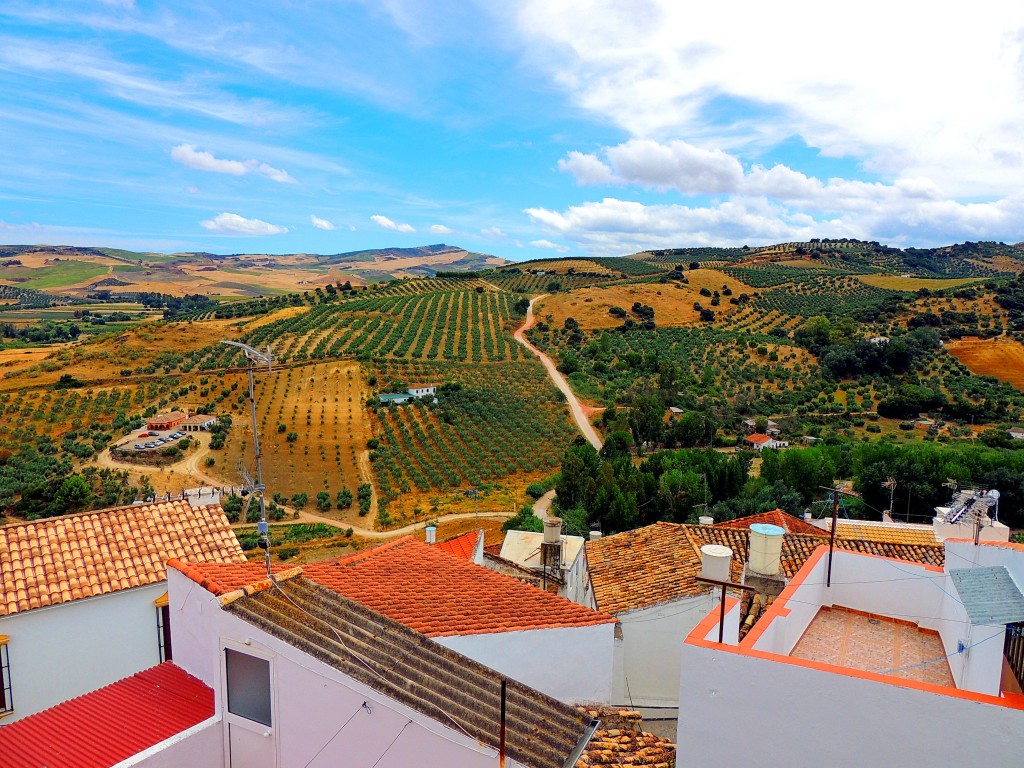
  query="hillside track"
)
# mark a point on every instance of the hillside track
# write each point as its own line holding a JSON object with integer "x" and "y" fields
{"x": 579, "y": 411}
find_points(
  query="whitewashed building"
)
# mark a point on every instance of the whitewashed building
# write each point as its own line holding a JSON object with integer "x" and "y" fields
{"x": 285, "y": 673}
{"x": 83, "y": 598}
{"x": 896, "y": 663}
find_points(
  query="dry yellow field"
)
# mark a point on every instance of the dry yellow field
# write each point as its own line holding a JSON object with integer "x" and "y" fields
{"x": 672, "y": 302}
{"x": 897, "y": 283}
{"x": 323, "y": 405}
{"x": 999, "y": 357}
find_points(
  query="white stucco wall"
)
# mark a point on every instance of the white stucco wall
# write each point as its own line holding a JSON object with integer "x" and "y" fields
{"x": 757, "y": 712}
{"x": 572, "y": 664}
{"x": 63, "y": 651}
{"x": 201, "y": 746}
{"x": 647, "y": 664}
{"x": 312, "y": 701}
{"x": 577, "y": 582}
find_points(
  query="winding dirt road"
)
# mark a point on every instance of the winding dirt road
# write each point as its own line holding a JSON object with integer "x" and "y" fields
{"x": 578, "y": 411}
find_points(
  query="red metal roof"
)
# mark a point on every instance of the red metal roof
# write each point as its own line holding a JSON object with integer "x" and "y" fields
{"x": 463, "y": 546}
{"x": 422, "y": 587}
{"x": 109, "y": 725}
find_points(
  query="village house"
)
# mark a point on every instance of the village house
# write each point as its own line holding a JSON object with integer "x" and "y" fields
{"x": 83, "y": 598}
{"x": 772, "y": 428}
{"x": 919, "y": 663}
{"x": 164, "y": 421}
{"x": 759, "y": 442}
{"x": 413, "y": 392}
{"x": 556, "y": 646}
{"x": 285, "y": 672}
{"x": 647, "y": 579}
{"x": 552, "y": 556}
{"x": 198, "y": 423}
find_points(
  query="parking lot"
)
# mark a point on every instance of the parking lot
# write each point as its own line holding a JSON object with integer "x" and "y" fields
{"x": 148, "y": 440}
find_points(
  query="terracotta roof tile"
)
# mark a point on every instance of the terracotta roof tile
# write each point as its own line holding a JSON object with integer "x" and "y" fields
{"x": 893, "y": 533}
{"x": 59, "y": 559}
{"x": 463, "y": 546}
{"x": 109, "y": 725}
{"x": 422, "y": 587}
{"x": 789, "y": 523}
{"x": 658, "y": 563}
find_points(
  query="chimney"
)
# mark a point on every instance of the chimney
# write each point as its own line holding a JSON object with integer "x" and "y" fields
{"x": 706, "y": 520}
{"x": 807, "y": 516}
{"x": 431, "y": 534}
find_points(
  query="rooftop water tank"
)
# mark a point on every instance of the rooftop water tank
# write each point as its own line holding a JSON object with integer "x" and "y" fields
{"x": 766, "y": 549}
{"x": 706, "y": 520}
{"x": 714, "y": 562}
{"x": 552, "y": 530}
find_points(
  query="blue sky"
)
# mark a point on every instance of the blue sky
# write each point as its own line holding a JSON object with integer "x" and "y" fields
{"x": 541, "y": 127}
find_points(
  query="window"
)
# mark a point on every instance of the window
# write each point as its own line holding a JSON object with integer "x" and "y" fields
{"x": 248, "y": 679}
{"x": 163, "y": 628}
{"x": 6, "y": 702}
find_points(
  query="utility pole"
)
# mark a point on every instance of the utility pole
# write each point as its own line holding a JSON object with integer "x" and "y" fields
{"x": 256, "y": 489}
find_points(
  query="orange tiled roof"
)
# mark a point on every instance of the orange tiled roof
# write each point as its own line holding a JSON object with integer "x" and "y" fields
{"x": 60, "y": 559}
{"x": 463, "y": 546}
{"x": 658, "y": 563}
{"x": 422, "y": 587}
{"x": 757, "y": 439}
{"x": 789, "y": 523}
{"x": 893, "y": 533}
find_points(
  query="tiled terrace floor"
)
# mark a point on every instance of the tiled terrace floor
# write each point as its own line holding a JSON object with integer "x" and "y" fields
{"x": 874, "y": 644}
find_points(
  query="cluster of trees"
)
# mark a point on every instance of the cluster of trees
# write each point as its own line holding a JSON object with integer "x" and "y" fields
{"x": 46, "y": 332}
{"x": 608, "y": 490}
{"x": 845, "y": 354}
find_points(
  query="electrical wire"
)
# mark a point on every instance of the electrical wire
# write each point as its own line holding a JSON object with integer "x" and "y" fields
{"x": 336, "y": 734}
{"x": 391, "y": 744}
{"x": 957, "y": 652}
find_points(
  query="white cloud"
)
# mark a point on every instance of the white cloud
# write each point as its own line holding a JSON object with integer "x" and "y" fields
{"x": 189, "y": 156}
{"x": 387, "y": 223}
{"x": 888, "y": 95}
{"x": 614, "y": 227}
{"x": 550, "y": 245}
{"x": 233, "y": 224}
{"x": 493, "y": 232}
{"x": 320, "y": 223}
{"x": 587, "y": 169}
{"x": 440, "y": 229}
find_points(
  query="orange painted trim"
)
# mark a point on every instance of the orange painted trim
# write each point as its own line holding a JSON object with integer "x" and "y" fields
{"x": 1000, "y": 544}
{"x": 778, "y": 609}
{"x": 162, "y": 601}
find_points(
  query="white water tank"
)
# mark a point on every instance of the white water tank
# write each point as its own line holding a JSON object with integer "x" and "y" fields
{"x": 595, "y": 535}
{"x": 706, "y": 520}
{"x": 552, "y": 530}
{"x": 766, "y": 549}
{"x": 714, "y": 562}
{"x": 431, "y": 534}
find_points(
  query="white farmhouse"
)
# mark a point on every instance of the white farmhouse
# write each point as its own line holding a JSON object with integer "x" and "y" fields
{"x": 918, "y": 665}
{"x": 285, "y": 673}
{"x": 83, "y": 598}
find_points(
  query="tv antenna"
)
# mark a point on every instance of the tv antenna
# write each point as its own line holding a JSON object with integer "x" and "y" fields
{"x": 256, "y": 489}
{"x": 890, "y": 483}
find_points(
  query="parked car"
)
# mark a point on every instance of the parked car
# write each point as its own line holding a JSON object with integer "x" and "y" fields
{"x": 151, "y": 445}
{"x": 139, "y": 446}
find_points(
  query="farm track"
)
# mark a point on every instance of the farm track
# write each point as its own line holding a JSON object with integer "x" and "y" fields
{"x": 578, "y": 412}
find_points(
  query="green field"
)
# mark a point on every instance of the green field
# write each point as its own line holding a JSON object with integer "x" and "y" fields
{"x": 57, "y": 276}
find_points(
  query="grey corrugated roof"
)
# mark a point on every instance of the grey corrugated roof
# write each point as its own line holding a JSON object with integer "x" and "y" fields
{"x": 989, "y": 595}
{"x": 458, "y": 692}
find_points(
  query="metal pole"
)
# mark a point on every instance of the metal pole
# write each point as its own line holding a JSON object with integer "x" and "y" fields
{"x": 832, "y": 538}
{"x": 501, "y": 744}
{"x": 721, "y": 618}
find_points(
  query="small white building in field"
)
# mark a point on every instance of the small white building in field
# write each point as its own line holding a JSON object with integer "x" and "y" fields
{"x": 760, "y": 442}
{"x": 83, "y": 598}
{"x": 918, "y": 664}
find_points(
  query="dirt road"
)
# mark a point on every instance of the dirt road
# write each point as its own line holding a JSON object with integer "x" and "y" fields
{"x": 186, "y": 471}
{"x": 579, "y": 412}
{"x": 370, "y": 533}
